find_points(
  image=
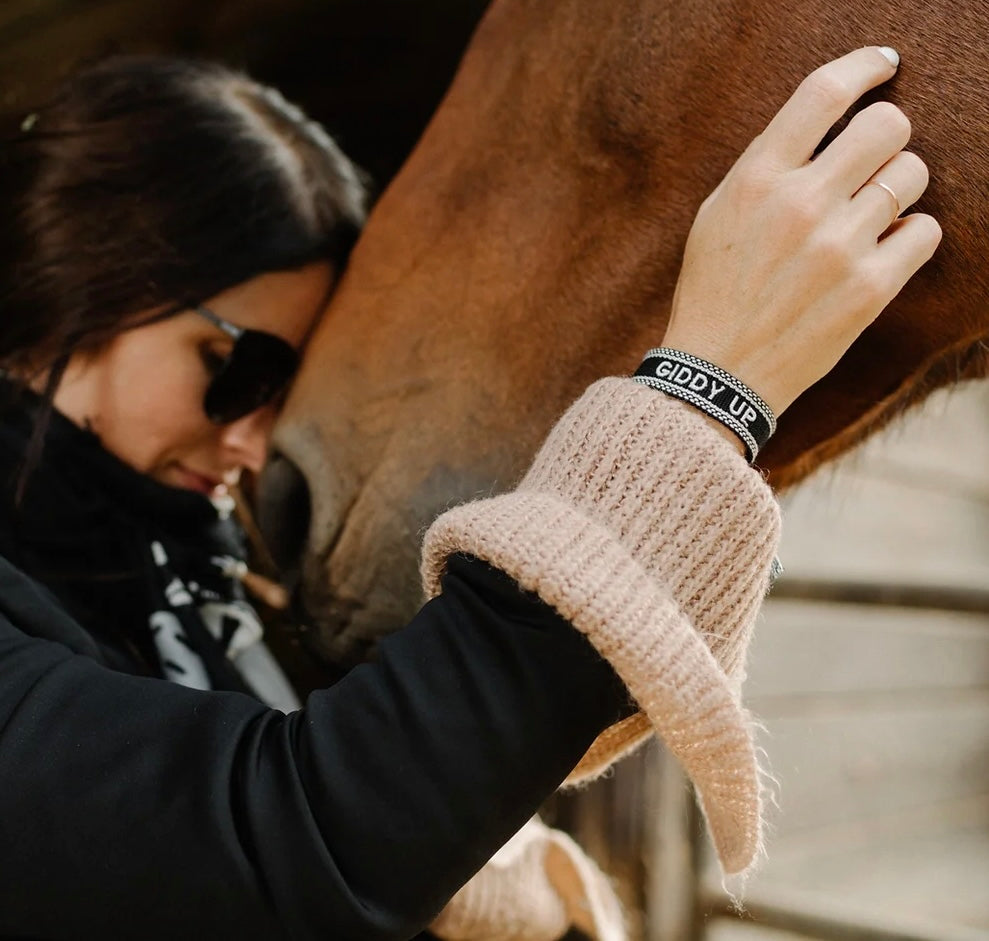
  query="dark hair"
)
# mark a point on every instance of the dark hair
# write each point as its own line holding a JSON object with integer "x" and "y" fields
{"x": 150, "y": 183}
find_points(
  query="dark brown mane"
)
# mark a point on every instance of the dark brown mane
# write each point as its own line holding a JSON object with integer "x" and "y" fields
{"x": 971, "y": 361}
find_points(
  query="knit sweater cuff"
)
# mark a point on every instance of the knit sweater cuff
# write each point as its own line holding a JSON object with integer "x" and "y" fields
{"x": 533, "y": 889}
{"x": 644, "y": 528}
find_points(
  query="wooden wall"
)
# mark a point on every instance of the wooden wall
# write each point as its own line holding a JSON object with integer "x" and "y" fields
{"x": 870, "y": 674}
{"x": 876, "y": 702}
{"x": 371, "y": 70}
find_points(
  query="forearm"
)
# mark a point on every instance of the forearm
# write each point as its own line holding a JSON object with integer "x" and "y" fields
{"x": 654, "y": 537}
{"x": 152, "y": 810}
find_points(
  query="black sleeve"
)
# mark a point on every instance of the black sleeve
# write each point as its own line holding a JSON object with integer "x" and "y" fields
{"x": 132, "y": 807}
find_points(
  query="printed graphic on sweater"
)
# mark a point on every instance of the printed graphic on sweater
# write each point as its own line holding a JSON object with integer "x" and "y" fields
{"x": 232, "y": 622}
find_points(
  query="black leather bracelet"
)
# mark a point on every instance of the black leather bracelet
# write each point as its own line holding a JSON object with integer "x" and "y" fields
{"x": 712, "y": 390}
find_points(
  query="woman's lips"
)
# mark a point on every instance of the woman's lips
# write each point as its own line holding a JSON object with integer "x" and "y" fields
{"x": 193, "y": 480}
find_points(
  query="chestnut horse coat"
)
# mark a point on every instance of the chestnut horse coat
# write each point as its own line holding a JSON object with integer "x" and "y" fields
{"x": 532, "y": 242}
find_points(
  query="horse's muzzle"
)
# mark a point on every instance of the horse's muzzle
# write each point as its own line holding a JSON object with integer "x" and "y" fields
{"x": 283, "y": 512}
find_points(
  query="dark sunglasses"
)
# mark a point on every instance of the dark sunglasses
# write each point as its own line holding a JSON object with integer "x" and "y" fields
{"x": 252, "y": 374}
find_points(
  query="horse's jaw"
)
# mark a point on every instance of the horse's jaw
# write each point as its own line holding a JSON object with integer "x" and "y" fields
{"x": 354, "y": 568}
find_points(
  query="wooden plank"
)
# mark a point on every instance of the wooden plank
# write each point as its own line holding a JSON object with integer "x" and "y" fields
{"x": 852, "y": 837}
{"x": 724, "y": 929}
{"x": 877, "y": 720}
{"x": 898, "y": 594}
{"x": 937, "y": 878}
{"x": 670, "y": 876}
{"x": 804, "y": 650}
{"x": 925, "y": 878}
{"x": 911, "y": 505}
{"x": 870, "y": 534}
{"x": 932, "y": 886}
{"x": 811, "y": 915}
{"x": 944, "y": 443}
{"x": 837, "y": 766}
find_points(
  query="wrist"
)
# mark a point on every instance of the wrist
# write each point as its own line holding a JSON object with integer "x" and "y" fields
{"x": 721, "y": 396}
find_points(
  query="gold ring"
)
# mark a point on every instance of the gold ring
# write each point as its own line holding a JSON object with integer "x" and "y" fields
{"x": 889, "y": 189}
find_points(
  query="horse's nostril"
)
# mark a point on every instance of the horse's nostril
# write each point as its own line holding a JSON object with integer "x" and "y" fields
{"x": 283, "y": 511}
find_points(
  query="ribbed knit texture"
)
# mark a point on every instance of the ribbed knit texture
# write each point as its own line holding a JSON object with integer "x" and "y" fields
{"x": 533, "y": 889}
{"x": 644, "y": 528}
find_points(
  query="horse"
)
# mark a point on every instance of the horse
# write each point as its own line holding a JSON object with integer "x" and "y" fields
{"x": 531, "y": 243}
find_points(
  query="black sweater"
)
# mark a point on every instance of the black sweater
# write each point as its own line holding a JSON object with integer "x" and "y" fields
{"x": 131, "y": 807}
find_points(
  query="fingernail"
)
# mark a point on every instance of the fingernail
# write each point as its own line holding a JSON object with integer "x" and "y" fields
{"x": 892, "y": 56}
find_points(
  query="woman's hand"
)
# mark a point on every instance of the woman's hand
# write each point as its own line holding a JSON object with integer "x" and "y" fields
{"x": 790, "y": 258}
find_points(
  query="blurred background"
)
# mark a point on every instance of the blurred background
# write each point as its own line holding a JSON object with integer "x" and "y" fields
{"x": 372, "y": 71}
{"x": 870, "y": 671}
{"x": 869, "y": 676}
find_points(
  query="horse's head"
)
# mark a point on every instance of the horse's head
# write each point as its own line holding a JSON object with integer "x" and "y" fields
{"x": 531, "y": 244}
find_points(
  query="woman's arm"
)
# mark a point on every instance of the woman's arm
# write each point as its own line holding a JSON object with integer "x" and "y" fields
{"x": 132, "y": 807}
{"x": 136, "y": 808}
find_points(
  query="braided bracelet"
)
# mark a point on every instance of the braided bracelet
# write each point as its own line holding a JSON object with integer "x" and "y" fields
{"x": 712, "y": 390}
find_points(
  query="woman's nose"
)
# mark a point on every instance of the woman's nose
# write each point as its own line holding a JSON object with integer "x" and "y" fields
{"x": 245, "y": 441}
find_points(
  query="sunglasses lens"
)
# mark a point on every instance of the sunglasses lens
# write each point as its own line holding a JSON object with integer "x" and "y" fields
{"x": 259, "y": 367}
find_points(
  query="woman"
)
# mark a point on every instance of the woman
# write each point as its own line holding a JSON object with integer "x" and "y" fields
{"x": 138, "y": 293}
{"x": 115, "y": 247}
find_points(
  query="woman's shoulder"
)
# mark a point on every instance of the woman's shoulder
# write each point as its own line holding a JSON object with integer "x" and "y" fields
{"x": 32, "y": 609}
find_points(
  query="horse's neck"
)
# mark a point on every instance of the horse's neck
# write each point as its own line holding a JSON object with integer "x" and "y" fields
{"x": 546, "y": 187}
{"x": 552, "y": 193}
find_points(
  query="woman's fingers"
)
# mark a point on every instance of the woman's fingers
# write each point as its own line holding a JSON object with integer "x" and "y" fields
{"x": 787, "y": 263}
{"x": 891, "y": 191}
{"x": 910, "y": 243}
{"x": 821, "y": 99}
{"x": 872, "y": 138}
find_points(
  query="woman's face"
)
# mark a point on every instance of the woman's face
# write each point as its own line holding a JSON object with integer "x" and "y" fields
{"x": 143, "y": 393}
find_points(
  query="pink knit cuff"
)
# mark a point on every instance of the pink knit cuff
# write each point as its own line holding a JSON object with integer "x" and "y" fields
{"x": 533, "y": 889}
{"x": 644, "y": 528}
